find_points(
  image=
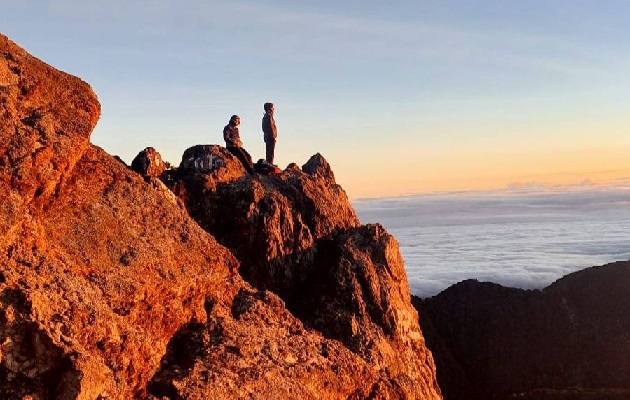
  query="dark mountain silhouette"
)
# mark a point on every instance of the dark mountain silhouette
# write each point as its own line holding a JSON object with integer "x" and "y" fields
{"x": 570, "y": 340}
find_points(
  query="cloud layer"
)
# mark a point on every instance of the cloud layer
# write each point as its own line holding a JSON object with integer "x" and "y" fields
{"x": 524, "y": 238}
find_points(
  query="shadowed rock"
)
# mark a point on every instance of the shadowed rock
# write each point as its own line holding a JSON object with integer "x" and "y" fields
{"x": 319, "y": 167}
{"x": 149, "y": 163}
{"x": 297, "y": 235}
{"x": 491, "y": 342}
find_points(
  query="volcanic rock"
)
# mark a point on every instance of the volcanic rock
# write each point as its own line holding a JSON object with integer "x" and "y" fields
{"x": 297, "y": 235}
{"x": 149, "y": 163}
{"x": 93, "y": 285}
{"x": 109, "y": 290}
{"x": 493, "y": 342}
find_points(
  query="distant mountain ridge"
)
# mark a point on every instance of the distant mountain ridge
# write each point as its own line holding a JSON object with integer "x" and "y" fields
{"x": 570, "y": 340}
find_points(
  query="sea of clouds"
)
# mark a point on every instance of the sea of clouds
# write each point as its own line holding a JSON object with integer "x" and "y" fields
{"x": 523, "y": 236}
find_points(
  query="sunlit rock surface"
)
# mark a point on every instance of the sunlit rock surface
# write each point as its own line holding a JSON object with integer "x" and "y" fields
{"x": 109, "y": 290}
{"x": 297, "y": 235}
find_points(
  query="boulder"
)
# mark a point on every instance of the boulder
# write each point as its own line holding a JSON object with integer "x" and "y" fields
{"x": 149, "y": 163}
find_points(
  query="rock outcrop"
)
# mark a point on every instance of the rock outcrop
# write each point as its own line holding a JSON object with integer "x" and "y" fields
{"x": 297, "y": 235}
{"x": 149, "y": 163}
{"x": 567, "y": 341}
{"x": 109, "y": 290}
{"x": 271, "y": 223}
{"x": 98, "y": 268}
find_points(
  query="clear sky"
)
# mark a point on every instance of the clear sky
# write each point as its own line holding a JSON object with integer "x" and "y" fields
{"x": 405, "y": 96}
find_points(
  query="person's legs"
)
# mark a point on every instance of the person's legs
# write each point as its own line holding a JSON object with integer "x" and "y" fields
{"x": 243, "y": 156}
{"x": 270, "y": 148}
{"x": 248, "y": 159}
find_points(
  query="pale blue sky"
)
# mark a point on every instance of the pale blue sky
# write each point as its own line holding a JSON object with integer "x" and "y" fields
{"x": 407, "y": 97}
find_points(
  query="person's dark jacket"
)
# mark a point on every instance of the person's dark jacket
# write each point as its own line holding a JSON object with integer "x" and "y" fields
{"x": 231, "y": 136}
{"x": 270, "y": 132}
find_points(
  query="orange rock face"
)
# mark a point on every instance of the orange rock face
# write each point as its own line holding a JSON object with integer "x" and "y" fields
{"x": 109, "y": 290}
{"x": 297, "y": 235}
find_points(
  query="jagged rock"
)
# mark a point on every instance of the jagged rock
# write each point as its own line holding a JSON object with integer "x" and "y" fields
{"x": 149, "y": 163}
{"x": 271, "y": 223}
{"x": 319, "y": 167}
{"x": 492, "y": 342}
{"x": 259, "y": 351}
{"x": 297, "y": 235}
{"x": 109, "y": 290}
{"x": 357, "y": 293}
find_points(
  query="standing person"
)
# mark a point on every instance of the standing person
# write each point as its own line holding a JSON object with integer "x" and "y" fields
{"x": 270, "y": 132}
{"x": 234, "y": 144}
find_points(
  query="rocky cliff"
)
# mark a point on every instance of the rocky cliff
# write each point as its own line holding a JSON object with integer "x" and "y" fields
{"x": 297, "y": 235}
{"x": 110, "y": 290}
{"x": 567, "y": 341}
